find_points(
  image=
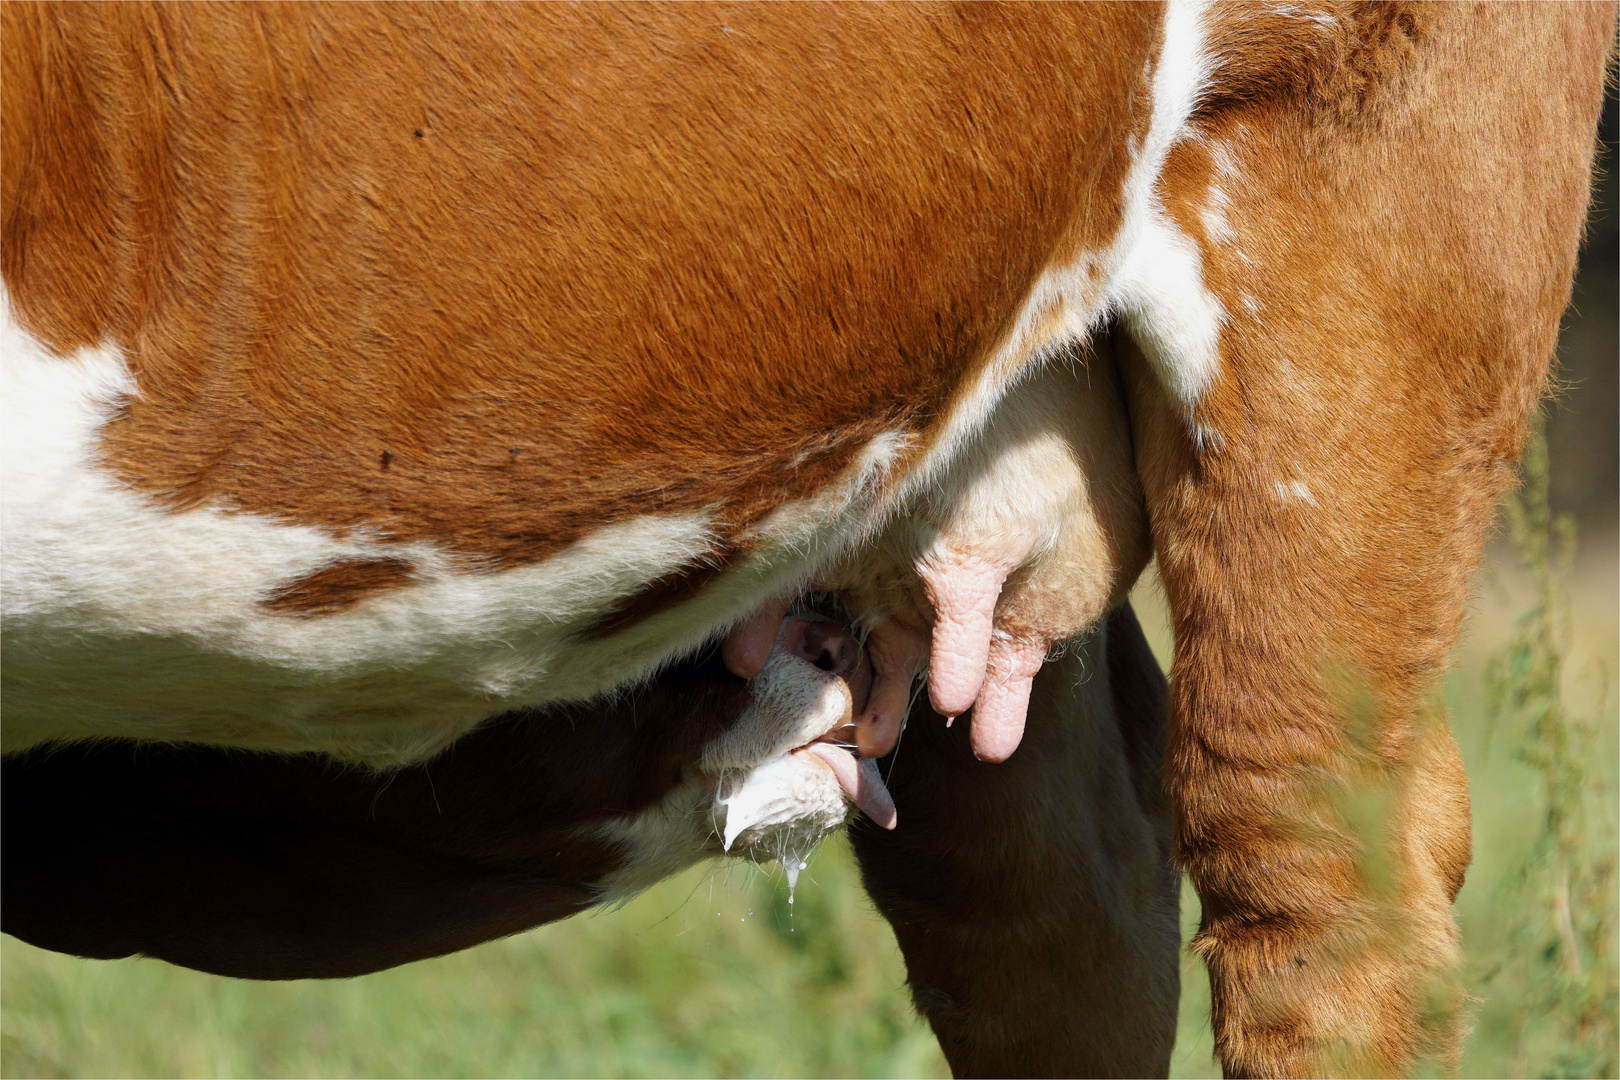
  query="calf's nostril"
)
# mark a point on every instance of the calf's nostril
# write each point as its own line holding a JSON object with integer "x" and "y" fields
{"x": 828, "y": 647}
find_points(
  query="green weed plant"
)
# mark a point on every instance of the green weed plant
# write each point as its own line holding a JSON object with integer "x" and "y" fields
{"x": 1559, "y": 963}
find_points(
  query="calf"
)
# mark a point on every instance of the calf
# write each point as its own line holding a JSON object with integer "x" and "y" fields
{"x": 268, "y": 866}
{"x": 273, "y": 866}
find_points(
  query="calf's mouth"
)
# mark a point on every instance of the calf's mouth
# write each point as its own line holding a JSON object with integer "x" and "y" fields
{"x": 791, "y": 767}
{"x": 832, "y": 648}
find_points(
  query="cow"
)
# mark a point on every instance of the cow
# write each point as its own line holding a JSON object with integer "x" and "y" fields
{"x": 373, "y": 372}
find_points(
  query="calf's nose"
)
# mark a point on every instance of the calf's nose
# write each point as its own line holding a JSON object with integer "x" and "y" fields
{"x": 831, "y": 647}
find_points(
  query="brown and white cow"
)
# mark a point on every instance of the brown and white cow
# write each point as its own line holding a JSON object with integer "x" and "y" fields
{"x": 374, "y": 371}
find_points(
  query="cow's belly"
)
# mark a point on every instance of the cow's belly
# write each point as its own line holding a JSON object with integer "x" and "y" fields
{"x": 127, "y": 618}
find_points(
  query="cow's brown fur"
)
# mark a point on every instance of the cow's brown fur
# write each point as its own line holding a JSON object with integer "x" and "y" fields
{"x": 1401, "y": 253}
{"x": 338, "y": 586}
{"x": 248, "y": 198}
{"x": 1406, "y": 193}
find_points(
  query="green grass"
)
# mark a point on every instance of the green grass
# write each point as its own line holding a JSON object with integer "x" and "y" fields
{"x": 710, "y": 975}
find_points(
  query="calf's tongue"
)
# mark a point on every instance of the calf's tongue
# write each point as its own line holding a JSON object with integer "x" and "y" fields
{"x": 858, "y": 777}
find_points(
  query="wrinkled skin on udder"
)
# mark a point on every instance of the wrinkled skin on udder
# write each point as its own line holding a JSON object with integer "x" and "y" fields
{"x": 1034, "y": 532}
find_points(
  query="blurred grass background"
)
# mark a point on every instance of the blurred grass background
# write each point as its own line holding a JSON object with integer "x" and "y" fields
{"x": 708, "y": 974}
{"x": 712, "y": 973}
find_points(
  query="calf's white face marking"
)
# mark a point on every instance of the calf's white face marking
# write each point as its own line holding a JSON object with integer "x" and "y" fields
{"x": 766, "y": 788}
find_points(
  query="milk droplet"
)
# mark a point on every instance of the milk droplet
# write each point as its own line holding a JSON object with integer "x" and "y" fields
{"x": 791, "y": 868}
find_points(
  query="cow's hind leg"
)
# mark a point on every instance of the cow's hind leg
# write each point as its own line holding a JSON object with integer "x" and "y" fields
{"x": 1034, "y": 900}
{"x": 1384, "y": 242}
{"x": 1321, "y": 807}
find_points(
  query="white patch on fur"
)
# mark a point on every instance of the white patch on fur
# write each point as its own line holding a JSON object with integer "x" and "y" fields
{"x": 797, "y": 538}
{"x": 1313, "y": 13}
{"x": 1205, "y": 439}
{"x": 1227, "y": 171}
{"x": 662, "y": 840}
{"x": 1158, "y": 286}
{"x": 1063, "y": 307}
{"x": 1174, "y": 319}
{"x": 1228, "y": 176}
{"x": 1213, "y": 217}
{"x": 1151, "y": 274}
{"x": 122, "y": 618}
{"x": 1293, "y": 491}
